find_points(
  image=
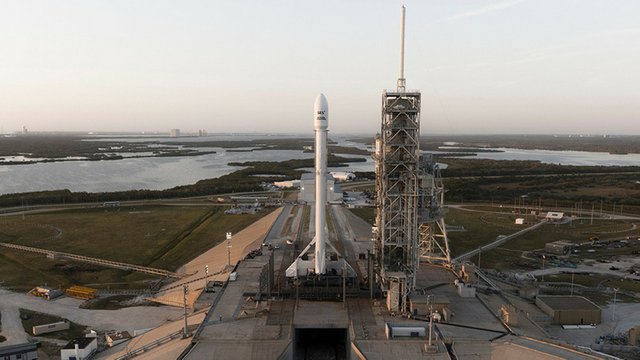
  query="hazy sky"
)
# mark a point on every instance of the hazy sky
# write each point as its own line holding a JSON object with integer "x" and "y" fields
{"x": 504, "y": 66}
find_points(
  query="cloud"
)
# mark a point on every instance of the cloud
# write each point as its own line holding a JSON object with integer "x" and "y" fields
{"x": 484, "y": 10}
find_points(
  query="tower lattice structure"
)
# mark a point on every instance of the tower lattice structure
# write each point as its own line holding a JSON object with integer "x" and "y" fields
{"x": 397, "y": 156}
{"x": 434, "y": 242}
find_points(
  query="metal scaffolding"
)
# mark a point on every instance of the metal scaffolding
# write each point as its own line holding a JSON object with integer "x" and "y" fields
{"x": 397, "y": 188}
{"x": 434, "y": 243}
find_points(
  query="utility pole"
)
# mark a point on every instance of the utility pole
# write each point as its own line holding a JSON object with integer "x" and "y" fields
{"x": 206, "y": 275}
{"x": 543, "y": 259}
{"x": 429, "y": 301}
{"x": 229, "y": 251}
{"x": 344, "y": 283}
{"x": 615, "y": 297}
{"x": 601, "y": 203}
{"x": 572, "y": 277}
{"x": 185, "y": 289}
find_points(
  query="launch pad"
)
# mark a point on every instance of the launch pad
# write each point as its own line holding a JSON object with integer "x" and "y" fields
{"x": 387, "y": 311}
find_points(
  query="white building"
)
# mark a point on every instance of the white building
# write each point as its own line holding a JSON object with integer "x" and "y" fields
{"x": 287, "y": 184}
{"x": 174, "y": 133}
{"x": 79, "y": 348}
{"x": 343, "y": 176}
{"x": 554, "y": 216}
{"x": 308, "y": 189}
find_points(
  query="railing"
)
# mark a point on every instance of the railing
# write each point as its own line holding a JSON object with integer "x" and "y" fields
{"x": 135, "y": 352}
{"x": 86, "y": 259}
{"x": 497, "y": 243}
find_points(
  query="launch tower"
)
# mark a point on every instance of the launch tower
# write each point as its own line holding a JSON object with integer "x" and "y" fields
{"x": 397, "y": 157}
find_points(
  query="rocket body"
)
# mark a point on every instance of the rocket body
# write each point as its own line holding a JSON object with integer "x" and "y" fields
{"x": 321, "y": 117}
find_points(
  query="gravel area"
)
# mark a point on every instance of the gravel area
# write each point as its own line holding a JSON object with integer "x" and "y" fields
{"x": 139, "y": 317}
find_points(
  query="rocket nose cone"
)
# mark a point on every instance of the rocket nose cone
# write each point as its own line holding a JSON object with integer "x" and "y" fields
{"x": 321, "y": 102}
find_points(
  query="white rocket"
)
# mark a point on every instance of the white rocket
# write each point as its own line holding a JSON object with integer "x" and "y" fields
{"x": 321, "y": 117}
{"x": 303, "y": 265}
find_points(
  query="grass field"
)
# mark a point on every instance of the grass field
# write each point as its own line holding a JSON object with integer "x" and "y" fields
{"x": 480, "y": 228}
{"x": 157, "y": 236}
{"x": 33, "y": 318}
{"x": 367, "y": 214}
{"x": 593, "y": 280}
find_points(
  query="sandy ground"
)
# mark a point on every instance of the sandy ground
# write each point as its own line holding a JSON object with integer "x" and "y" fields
{"x": 241, "y": 243}
{"x": 132, "y": 318}
{"x": 169, "y": 350}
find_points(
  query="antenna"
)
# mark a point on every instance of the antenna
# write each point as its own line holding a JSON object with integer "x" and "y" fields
{"x": 401, "y": 79}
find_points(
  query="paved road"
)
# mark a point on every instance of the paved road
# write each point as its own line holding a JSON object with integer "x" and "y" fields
{"x": 11, "y": 325}
{"x": 139, "y": 317}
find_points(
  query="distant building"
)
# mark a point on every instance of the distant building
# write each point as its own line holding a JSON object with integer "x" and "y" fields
{"x": 308, "y": 189}
{"x": 202, "y": 133}
{"x": 79, "y": 348}
{"x": 26, "y": 351}
{"x": 570, "y": 310}
{"x": 560, "y": 247}
{"x": 520, "y": 221}
{"x": 554, "y": 216}
{"x": 343, "y": 176}
{"x": 287, "y": 184}
{"x": 174, "y": 133}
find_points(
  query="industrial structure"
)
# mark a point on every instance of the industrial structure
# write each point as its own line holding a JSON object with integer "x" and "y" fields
{"x": 409, "y": 195}
{"x": 434, "y": 242}
{"x": 267, "y": 305}
{"x": 569, "y": 310}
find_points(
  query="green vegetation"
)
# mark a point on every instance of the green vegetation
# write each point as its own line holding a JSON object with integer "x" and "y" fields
{"x": 157, "y": 236}
{"x": 33, "y": 318}
{"x": 479, "y": 229}
{"x": 619, "y": 144}
{"x": 306, "y": 218}
{"x": 482, "y": 228}
{"x": 596, "y": 280}
{"x": 69, "y": 148}
{"x": 367, "y": 214}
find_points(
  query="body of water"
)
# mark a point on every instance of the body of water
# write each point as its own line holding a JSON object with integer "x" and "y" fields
{"x": 576, "y": 158}
{"x": 166, "y": 172}
{"x": 130, "y": 174}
